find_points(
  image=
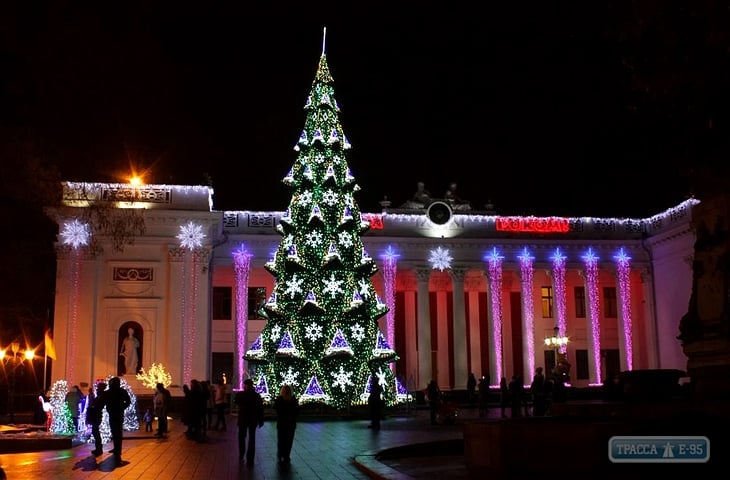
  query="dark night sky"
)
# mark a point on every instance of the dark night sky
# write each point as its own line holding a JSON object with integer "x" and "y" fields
{"x": 566, "y": 108}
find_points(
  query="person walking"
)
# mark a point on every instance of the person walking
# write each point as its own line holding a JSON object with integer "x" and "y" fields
{"x": 94, "y": 415}
{"x": 220, "y": 405}
{"x": 516, "y": 393}
{"x": 503, "y": 395}
{"x": 209, "y": 392}
{"x": 197, "y": 410}
{"x": 73, "y": 401}
{"x": 287, "y": 411}
{"x": 471, "y": 388}
{"x": 161, "y": 403}
{"x": 375, "y": 402}
{"x": 483, "y": 395}
{"x": 537, "y": 390}
{"x": 434, "y": 399}
{"x": 250, "y": 415}
{"x": 116, "y": 400}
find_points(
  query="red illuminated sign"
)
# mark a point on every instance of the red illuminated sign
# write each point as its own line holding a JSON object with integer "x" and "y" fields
{"x": 376, "y": 221}
{"x": 533, "y": 224}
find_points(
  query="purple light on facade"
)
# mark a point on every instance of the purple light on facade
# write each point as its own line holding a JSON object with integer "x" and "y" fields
{"x": 241, "y": 271}
{"x": 623, "y": 264}
{"x": 590, "y": 261}
{"x": 559, "y": 282}
{"x": 494, "y": 260}
{"x": 390, "y": 268}
{"x": 528, "y": 324}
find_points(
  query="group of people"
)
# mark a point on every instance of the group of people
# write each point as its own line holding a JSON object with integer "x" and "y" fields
{"x": 251, "y": 416}
{"x": 201, "y": 400}
{"x": 115, "y": 400}
{"x": 516, "y": 397}
{"x": 478, "y": 390}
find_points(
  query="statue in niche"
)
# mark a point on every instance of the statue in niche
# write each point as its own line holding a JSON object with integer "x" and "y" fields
{"x": 130, "y": 352}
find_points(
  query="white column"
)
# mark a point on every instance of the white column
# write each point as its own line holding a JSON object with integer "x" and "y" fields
{"x": 460, "y": 351}
{"x": 425, "y": 370}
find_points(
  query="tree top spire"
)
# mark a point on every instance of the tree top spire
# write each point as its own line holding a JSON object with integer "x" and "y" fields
{"x": 324, "y": 39}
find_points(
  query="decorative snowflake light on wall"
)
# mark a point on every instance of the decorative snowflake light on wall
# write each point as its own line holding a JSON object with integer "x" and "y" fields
{"x": 75, "y": 234}
{"x": 191, "y": 236}
{"x": 440, "y": 259}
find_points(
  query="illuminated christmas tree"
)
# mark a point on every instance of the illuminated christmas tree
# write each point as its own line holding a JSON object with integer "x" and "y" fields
{"x": 322, "y": 335}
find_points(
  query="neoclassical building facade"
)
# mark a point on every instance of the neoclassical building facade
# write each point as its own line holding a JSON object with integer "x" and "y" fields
{"x": 467, "y": 291}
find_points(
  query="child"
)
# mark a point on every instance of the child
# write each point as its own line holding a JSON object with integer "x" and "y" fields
{"x": 148, "y": 420}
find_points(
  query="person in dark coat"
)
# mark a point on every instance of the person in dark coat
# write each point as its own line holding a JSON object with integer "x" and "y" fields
{"x": 250, "y": 415}
{"x": 287, "y": 411}
{"x": 116, "y": 400}
{"x": 483, "y": 395}
{"x": 504, "y": 395}
{"x": 433, "y": 392}
{"x": 471, "y": 388}
{"x": 375, "y": 403}
{"x": 161, "y": 402}
{"x": 537, "y": 389}
{"x": 94, "y": 415}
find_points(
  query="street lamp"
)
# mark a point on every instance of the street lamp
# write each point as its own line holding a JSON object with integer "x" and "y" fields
{"x": 556, "y": 341}
{"x": 14, "y": 362}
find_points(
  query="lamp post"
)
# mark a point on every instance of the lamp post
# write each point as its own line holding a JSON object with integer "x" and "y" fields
{"x": 557, "y": 342}
{"x": 560, "y": 372}
{"x": 12, "y": 363}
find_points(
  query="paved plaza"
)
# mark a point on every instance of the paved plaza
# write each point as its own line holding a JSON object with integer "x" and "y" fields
{"x": 323, "y": 449}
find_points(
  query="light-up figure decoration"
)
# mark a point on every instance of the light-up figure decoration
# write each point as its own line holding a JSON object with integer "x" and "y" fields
{"x": 559, "y": 282}
{"x": 623, "y": 264}
{"x": 390, "y": 267}
{"x": 528, "y": 326}
{"x": 241, "y": 271}
{"x": 75, "y": 234}
{"x": 590, "y": 260}
{"x": 191, "y": 238}
{"x": 494, "y": 260}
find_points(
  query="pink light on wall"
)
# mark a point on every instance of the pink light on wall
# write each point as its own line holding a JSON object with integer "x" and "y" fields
{"x": 591, "y": 270}
{"x": 559, "y": 282}
{"x": 623, "y": 264}
{"x": 528, "y": 323}
{"x": 241, "y": 271}
{"x": 187, "y": 345}
{"x": 76, "y": 235}
{"x": 494, "y": 259}
{"x": 191, "y": 238}
{"x": 390, "y": 268}
{"x": 73, "y": 321}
